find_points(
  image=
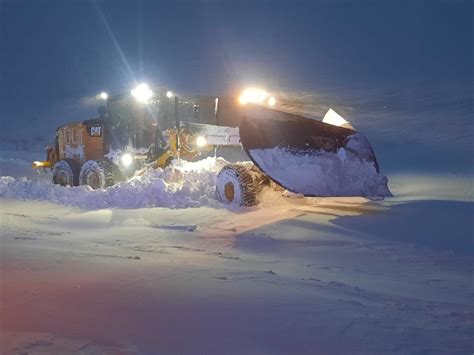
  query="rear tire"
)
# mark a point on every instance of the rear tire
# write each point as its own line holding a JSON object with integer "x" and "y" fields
{"x": 66, "y": 172}
{"x": 98, "y": 174}
{"x": 235, "y": 186}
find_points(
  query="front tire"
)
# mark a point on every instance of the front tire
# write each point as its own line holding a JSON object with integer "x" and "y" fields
{"x": 98, "y": 174}
{"x": 66, "y": 172}
{"x": 235, "y": 186}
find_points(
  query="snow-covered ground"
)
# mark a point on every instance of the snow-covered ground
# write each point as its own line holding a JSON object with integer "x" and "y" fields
{"x": 120, "y": 272}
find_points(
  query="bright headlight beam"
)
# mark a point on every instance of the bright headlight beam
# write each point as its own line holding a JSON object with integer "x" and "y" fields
{"x": 126, "y": 159}
{"x": 252, "y": 95}
{"x": 104, "y": 96}
{"x": 201, "y": 141}
{"x": 169, "y": 94}
{"x": 142, "y": 93}
{"x": 271, "y": 101}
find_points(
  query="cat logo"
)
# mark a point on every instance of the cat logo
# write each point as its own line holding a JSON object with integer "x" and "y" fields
{"x": 95, "y": 131}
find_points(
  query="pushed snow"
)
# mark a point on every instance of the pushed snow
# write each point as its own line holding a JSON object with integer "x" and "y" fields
{"x": 192, "y": 184}
{"x": 189, "y": 184}
{"x": 350, "y": 172}
{"x": 323, "y": 174}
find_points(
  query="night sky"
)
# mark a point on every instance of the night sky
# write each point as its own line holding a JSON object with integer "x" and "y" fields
{"x": 53, "y": 52}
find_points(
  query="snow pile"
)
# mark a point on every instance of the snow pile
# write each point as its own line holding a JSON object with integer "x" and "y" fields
{"x": 192, "y": 184}
{"x": 189, "y": 184}
{"x": 343, "y": 173}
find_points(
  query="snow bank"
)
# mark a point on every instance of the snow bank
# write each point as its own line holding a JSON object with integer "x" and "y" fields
{"x": 190, "y": 184}
{"x": 322, "y": 174}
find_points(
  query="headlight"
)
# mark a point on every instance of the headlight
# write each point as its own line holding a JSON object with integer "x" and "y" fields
{"x": 142, "y": 93}
{"x": 271, "y": 101}
{"x": 201, "y": 141}
{"x": 255, "y": 96}
{"x": 126, "y": 159}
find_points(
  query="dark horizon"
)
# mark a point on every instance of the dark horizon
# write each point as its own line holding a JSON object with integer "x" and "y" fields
{"x": 401, "y": 71}
{"x": 82, "y": 47}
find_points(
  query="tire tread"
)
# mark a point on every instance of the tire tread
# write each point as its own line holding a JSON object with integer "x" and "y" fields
{"x": 246, "y": 183}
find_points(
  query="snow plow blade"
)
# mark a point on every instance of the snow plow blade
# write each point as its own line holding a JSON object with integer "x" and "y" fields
{"x": 311, "y": 157}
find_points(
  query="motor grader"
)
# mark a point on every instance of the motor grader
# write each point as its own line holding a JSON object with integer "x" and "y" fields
{"x": 151, "y": 129}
